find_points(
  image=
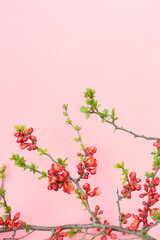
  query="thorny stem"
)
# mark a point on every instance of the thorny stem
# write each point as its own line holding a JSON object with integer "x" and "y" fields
{"x": 77, "y": 133}
{"x": 137, "y": 233}
{"x": 85, "y": 233}
{"x": 99, "y": 233}
{"x": 14, "y": 234}
{"x": 76, "y": 180}
{"x": 119, "y": 209}
{"x": 125, "y": 130}
{"x": 86, "y": 201}
{"x": 49, "y": 155}
{"x": 2, "y": 186}
{"x": 156, "y": 171}
{"x": 19, "y": 237}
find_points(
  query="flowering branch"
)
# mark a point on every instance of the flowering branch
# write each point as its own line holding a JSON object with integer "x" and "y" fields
{"x": 92, "y": 108}
{"x": 59, "y": 178}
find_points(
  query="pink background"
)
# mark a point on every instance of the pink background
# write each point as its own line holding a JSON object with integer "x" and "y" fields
{"x": 50, "y": 51}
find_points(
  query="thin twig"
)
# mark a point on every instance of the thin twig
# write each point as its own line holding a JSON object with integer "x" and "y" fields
{"x": 138, "y": 233}
{"x": 119, "y": 209}
{"x": 19, "y": 237}
{"x": 99, "y": 233}
{"x": 14, "y": 234}
{"x": 125, "y": 130}
{"x": 85, "y": 233}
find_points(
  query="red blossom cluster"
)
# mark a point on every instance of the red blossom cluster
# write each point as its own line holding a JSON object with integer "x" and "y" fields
{"x": 96, "y": 213}
{"x": 108, "y": 231}
{"x": 109, "y": 234}
{"x": 124, "y": 217}
{"x": 157, "y": 144}
{"x": 10, "y": 224}
{"x": 150, "y": 189}
{"x": 131, "y": 186}
{"x": 23, "y": 136}
{"x": 58, "y": 178}
{"x": 88, "y": 192}
{"x": 90, "y": 163}
{"x": 59, "y": 235}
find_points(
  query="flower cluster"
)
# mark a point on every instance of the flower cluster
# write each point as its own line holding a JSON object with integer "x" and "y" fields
{"x": 88, "y": 192}
{"x": 150, "y": 189}
{"x": 131, "y": 186}
{"x": 89, "y": 164}
{"x": 157, "y": 144}
{"x": 59, "y": 235}
{"x": 23, "y": 136}
{"x": 96, "y": 213}
{"x": 124, "y": 217}
{"x": 109, "y": 233}
{"x": 58, "y": 178}
{"x": 10, "y": 224}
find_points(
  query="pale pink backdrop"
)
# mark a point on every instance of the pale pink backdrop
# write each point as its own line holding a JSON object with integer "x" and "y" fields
{"x": 50, "y": 51}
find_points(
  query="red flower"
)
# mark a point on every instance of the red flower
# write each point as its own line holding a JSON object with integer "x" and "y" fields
{"x": 9, "y": 224}
{"x": 16, "y": 216}
{"x": 96, "y": 191}
{"x": 68, "y": 186}
{"x": 90, "y": 162}
{"x": 135, "y": 224}
{"x": 1, "y": 221}
{"x": 19, "y": 224}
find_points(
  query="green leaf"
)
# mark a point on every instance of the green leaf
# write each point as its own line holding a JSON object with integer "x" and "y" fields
{"x": 68, "y": 121}
{"x": 42, "y": 152}
{"x": 125, "y": 171}
{"x": 88, "y": 102}
{"x": 39, "y": 149}
{"x": 154, "y": 217}
{"x": 77, "y": 128}
{"x": 4, "y": 217}
{"x": 86, "y": 94}
{"x": 94, "y": 105}
{"x": 8, "y": 209}
{"x": 65, "y": 114}
{"x": 65, "y": 106}
{"x": 71, "y": 233}
{"x": 76, "y": 139}
{"x": 83, "y": 109}
{"x": 43, "y": 175}
{"x": 123, "y": 182}
{"x": 27, "y": 230}
{"x": 83, "y": 146}
{"x": 100, "y": 114}
{"x": 147, "y": 174}
{"x": 118, "y": 165}
{"x": 23, "y": 127}
{"x": 89, "y": 90}
{"x": 65, "y": 160}
{"x": 153, "y": 153}
{"x": 104, "y": 120}
{"x": 113, "y": 112}
{"x": 17, "y": 128}
{"x": 122, "y": 164}
{"x": 155, "y": 212}
{"x": 87, "y": 115}
{"x": 155, "y": 158}
{"x": 105, "y": 111}
{"x": 146, "y": 233}
{"x": 59, "y": 160}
